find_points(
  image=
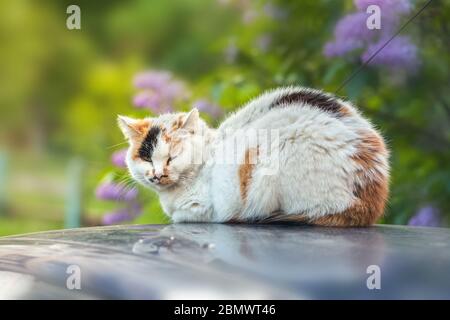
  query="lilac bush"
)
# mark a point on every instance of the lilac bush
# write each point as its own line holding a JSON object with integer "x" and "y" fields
{"x": 127, "y": 197}
{"x": 400, "y": 53}
{"x": 427, "y": 216}
{"x": 129, "y": 212}
{"x": 114, "y": 191}
{"x": 118, "y": 158}
{"x": 159, "y": 91}
{"x": 206, "y": 106}
{"x": 351, "y": 35}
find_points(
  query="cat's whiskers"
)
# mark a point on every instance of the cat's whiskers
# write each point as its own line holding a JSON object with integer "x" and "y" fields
{"x": 126, "y": 183}
{"x": 118, "y": 144}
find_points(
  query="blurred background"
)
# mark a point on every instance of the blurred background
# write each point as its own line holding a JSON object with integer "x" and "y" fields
{"x": 61, "y": 154}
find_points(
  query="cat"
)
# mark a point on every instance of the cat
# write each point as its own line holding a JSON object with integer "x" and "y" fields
{"x": 313, "y": 160}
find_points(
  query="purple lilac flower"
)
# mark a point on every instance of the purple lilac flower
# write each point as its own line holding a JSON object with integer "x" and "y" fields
{"x": 152, "y": 79}
{"x": 174, "y": 90}
{"x": 351, "y": 33}
{"x": 150, "y": 100}
{"x": 141, "y": 99}
{"x": 205, "y": 106}
{"x": 400, "y": 53}
{"x": 159, "y": 91}
{"x": 121, "y": 215}
{"x": 118, "y": 158}
{"x": 114, "y": 191}
{"x": 427, "y": 216}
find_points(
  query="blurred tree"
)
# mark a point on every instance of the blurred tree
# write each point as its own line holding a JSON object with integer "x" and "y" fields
{"x": 41, "y": 65}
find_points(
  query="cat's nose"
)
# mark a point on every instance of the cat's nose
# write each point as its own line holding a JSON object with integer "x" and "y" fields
{"x": 153, "y": 179}
{"x": 157, "y": 176}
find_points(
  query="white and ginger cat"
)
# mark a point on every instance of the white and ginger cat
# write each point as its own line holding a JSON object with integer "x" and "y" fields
{"x": 296, "y": 154}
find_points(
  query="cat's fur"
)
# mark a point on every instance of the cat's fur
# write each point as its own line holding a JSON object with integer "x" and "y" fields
{"x": 327, "y": 166}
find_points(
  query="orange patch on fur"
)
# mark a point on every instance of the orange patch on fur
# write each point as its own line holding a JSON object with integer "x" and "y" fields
{"x": 344, "y": 111}
{"x": 246, "y": 169}
{"x": 142, "y": 126}
{"x": 178, "y": 123}
{"x": 371, "y": 188}
{"x": 166, "y": 137}
{"x": 370, "y": 146}
{"x": 135, "y": 154}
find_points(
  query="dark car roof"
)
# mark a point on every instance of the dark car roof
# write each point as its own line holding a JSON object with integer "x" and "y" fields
{"x": 214, "y": 261}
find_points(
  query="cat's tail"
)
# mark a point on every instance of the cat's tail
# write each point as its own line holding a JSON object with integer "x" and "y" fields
{"x": 281, "y": 217}
{"x": 353, "y": 217}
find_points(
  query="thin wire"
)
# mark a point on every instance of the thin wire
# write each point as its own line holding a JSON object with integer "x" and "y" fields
{"x": 358, "y": 70}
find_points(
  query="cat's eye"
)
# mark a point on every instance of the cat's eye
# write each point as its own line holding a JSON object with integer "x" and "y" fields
{"x": 148, "y": 160}
{"x": 169, "y": 160}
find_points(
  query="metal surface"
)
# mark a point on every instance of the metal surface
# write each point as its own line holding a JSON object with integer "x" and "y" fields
{"x": 212, "y": 261}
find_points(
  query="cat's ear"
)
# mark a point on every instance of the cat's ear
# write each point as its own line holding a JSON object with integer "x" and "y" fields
{"x": 132, "y": 128}
{"x": 191, "y": 121}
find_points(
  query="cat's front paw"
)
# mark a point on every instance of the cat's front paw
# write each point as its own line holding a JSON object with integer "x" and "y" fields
{"x": 195, "y": 213}
{"x": 181, "y": 216}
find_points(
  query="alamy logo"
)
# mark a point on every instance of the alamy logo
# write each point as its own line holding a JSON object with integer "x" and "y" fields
{"x": 73, "y": 281}
{"x": 374, "y": 280}
{"x": 242, "y": 147}
{"x": 374, "y": 20}
{"x": 74, "y": 19}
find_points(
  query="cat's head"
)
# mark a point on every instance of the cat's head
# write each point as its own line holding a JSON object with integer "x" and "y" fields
{"x": 164, "y": 150}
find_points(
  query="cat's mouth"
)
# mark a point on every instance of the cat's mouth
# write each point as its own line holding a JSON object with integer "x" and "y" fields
{"x": 164, "y": 180}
